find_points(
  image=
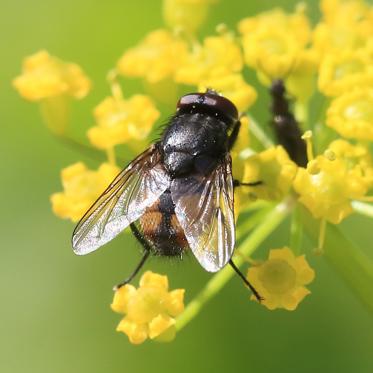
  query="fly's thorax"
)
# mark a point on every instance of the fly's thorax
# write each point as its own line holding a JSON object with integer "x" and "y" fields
{"x": 192, "y": 141}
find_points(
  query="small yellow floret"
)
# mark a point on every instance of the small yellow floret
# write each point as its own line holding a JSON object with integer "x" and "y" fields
{"x": 280, "y": 280}
{"x": 150, "y": 310}
{"x": 217, "y": 57}
{"x": 120, "y": 121}
{"x": 347, "y": 24}
{"x": 274, "y": 169}
{"x": 186, "y": 15}
{"x": 351, "y": 114}
{"x": 341, "y": 71}
{"x": 45, "y": 76}
{"x": 81, "y": 188}
{"x": 270, "y": 43}
{"x": 328, "y": 185}
{"x": 155, "y": 58}
{"x": 356, "y": 157}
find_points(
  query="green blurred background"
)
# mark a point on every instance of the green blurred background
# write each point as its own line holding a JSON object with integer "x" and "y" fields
{"x": 54, "y": 314}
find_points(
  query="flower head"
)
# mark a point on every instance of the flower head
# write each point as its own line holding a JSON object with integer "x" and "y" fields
{"x": 356, "y": 157}
{"x": 274, "y": 169}
{"x": 281, "y": 279}
{"x": 328, "y": 185}
{"x": 218, "y": 57}
{"x": 351, "y": 114}
{"x": 46, "y": 76}
{"x": 342, "y": 70}
{"x": 155, "y": 58}
{"x": 120, "y": 121}
{"x": 187, "y": 15}
{"x": 269, "y": 43}
{"x": 150, "y": 310}
{"x": 81, "y": 188}
{"x": 347, "y": 24}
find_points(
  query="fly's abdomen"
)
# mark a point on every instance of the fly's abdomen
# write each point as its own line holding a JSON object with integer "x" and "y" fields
{"x": 161, "y": 228}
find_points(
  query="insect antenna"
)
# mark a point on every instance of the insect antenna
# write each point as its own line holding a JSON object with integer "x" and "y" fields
{"x": 247, "y": 283}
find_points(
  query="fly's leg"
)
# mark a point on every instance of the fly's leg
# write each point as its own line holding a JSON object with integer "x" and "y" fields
{"x": 237, "y": 183}
{"x": 233, "y": 136}
{"x": 147, "y": 252}
{"x": 231, "y": 141}
{"x": 247, "y": 283}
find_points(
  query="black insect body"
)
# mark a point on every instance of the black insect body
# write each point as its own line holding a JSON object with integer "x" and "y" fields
{"x": 286, "y": 126}
{"x": 178, "y": 194}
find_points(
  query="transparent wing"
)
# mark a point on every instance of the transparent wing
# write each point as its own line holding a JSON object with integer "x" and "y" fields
{"x": 138, "y": 186}
{"x": 204, "y": 209}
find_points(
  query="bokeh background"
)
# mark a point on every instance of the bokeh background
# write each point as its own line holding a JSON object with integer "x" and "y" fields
{"x": 54, "y": 312}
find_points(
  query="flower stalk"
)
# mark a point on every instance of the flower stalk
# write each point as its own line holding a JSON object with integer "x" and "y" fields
{"x": 247, "y": 247}
{"x": 345, "y": 257}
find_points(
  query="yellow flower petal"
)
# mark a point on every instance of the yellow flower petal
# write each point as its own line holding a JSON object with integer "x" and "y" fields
{"x": 154, "y": 279}
{"x": 121, "y": 297}
{"x": 175, "y": 302}
{"x": 291, "y": 301}
{"x": 159, "y": 325}
{"x": 137, "y": 333}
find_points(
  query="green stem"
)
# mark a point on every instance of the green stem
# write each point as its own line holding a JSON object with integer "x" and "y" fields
{"x": 296, "y": 232}
{"x": 257, "y": 131}
{"x": 247, "y": 247}
{"x": 363, "y": 208}
{"x": 348, "y": 260}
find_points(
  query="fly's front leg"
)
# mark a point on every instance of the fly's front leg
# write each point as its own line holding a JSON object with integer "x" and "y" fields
{"x": 231, "y": 141}
{"x": 233, "y": 136}
{"x": 237, "y": 183}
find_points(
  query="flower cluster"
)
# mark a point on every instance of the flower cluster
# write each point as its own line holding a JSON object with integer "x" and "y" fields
{"x": 331, "y": 61}
{"x": 150, "y": 310}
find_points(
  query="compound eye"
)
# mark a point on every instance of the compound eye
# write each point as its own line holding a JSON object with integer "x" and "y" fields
{"x": 223, "y": 106}
{"x": 210, "y": 102}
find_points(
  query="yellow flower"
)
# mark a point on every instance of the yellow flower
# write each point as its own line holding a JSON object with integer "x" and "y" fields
{"x": 233, "y": 87}
{"x": 355, "y": 156}
{"x": 270, "y": 43}
{"x": 274, "y": 169}
{"x": 187, "y": 15}
{"x": 351, "y": 114}
{"x": 150, "y": 310}
{"x": 327, "y": 186}
{"x": 217, "y": 57}
{"x": 155, "y": 58}
{"x": 341, "y": 71}
{"x": 280, "y": 280}
{"x": 45, "y": 76}
{"x": 120, "y": 121}
{"x": 346, "y": 25}
{"x": 81, "y": 188}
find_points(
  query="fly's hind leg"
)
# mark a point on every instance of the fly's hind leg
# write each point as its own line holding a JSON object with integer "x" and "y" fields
{"x": 145, "y": 256}
{"x": 246, "y": 281}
